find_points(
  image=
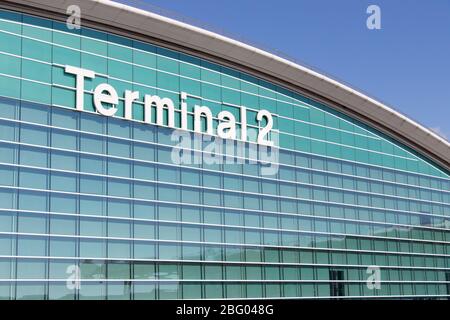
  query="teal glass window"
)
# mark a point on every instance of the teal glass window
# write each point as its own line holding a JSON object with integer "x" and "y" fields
{"x": 104, "y": 194}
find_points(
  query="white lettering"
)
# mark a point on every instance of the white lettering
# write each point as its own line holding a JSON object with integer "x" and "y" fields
{"x": 263, "y": 132}
{"x": 183, "y": 97}
{"x": 80, "y": 75}
{"x": 198, "y": 112}
{"x": 243, "y": 123}
{"x": 130, "y": 96}
{"x": 160, "y": 104}
{"x": 109, "y": 97}
{"x": 227, "y": 127}
{"x": 106, "y": 100}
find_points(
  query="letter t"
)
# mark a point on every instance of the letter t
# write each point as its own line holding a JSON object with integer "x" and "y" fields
{"x": 80, "y": 75}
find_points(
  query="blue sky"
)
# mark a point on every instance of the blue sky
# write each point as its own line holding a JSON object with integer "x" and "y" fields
{"x": 406, "y": 64}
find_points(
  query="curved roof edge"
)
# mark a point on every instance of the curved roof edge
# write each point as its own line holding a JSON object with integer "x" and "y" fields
{"x": 135, "y": 22}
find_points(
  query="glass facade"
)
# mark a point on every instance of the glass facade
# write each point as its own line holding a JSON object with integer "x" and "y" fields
{"x": 93, "y": 207}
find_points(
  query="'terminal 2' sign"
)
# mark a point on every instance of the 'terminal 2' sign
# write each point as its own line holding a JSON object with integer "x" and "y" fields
{"x": 106, "y": 99}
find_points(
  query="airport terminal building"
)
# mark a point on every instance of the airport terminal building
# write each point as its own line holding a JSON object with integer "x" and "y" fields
{"x": 146, "y": 158}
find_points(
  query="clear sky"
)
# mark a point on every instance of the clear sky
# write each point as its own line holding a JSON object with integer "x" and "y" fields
{"x": 405, "y": 64}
